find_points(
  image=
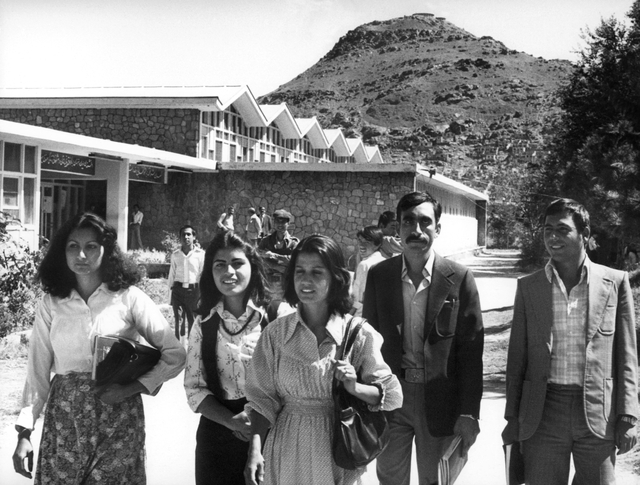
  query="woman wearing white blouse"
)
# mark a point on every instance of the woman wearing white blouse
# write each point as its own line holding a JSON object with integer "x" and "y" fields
{"x": 232, "y": 289}
{"x": 90, "y": 434}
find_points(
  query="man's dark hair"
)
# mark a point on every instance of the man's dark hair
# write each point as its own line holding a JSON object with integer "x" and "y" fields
{"x": 184, "y": 228}
{"x": 414, "y": 199}
{"x": 372, "y": 234}
{"x": 386, "y": 218}
{"x": 578, "y": 213}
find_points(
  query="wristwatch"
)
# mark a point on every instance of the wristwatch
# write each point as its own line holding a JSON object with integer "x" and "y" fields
{"x": 632, "y": 420}
{"x": 470, "y": 416}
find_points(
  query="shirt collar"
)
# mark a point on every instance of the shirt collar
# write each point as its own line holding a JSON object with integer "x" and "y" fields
{"x": 585, "y": 272}
{"x": 427, "y": 271}
{"x": 219, "y": 308}
{"x": 74, "y": 293}
{"x": 335, "y": 327}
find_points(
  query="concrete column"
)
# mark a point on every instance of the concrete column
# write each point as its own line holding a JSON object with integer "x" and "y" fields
{"x": 116, "y": 173}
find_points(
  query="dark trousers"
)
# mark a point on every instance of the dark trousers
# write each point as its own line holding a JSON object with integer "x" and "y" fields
{"x": 185, "y": 299}
{"x": 220, "y": 456}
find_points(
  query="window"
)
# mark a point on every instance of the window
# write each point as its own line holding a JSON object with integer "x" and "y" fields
{"x": 29, "y": 159}
{"x": 10, "y": 196}
{"x": 12, "y": 157}
{"x": 29, "y": 200}
{"x": 218, "y": 151}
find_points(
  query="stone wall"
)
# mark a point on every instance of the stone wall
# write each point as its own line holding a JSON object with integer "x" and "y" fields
{"x": 334, "y": 204}
{"x": 174, "y": 130}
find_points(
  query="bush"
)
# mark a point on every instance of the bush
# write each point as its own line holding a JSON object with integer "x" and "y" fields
{"x": 19, "y": 293}
{"x": 170, "y": 243}
{"x": 148, "y": 256}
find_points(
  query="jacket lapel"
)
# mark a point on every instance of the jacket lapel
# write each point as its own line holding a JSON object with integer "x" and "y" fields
{"x": 541, "y": 297}
{"x": 599, "y": 291}
{"x": 438, "y": 291}
{"x": 395, "y": 294}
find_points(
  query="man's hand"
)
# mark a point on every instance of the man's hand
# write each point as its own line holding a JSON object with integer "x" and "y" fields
{"x": 468, "y": 428}
{"x": 626, "y": 436}
{"x": 511, "y": 431}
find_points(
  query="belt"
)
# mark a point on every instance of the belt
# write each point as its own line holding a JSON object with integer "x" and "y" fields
{"x": 415, "y": 376}
{"x": 186, "y": 286}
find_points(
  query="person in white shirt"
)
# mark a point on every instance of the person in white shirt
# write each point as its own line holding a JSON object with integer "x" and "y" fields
{"x": 90, "y": 433}
{"x": 230, "y": 318}
{"x": 184, "y": 274}
{"x": 369, "y": 241}
{"x": 136, "y": 224}
{"x": 225, "y": 221}
{"x": 254, "y": 227}
{"x": 266, "y": 223}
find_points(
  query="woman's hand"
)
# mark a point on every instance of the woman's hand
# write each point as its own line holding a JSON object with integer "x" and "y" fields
{"x": 115, "y": 393}
{"x": 24, "y": 451}
{"x": 254, "y": 469}
{"x": 345, "y": 373}
{"x": 241, "y": 426}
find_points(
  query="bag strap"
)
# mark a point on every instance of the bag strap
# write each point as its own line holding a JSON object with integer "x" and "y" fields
{"x": 349, "y": 337}
{"x": 347, "y": 343}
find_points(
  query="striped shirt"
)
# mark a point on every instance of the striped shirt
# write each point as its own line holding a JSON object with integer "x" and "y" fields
{"x": 569, "y": 329}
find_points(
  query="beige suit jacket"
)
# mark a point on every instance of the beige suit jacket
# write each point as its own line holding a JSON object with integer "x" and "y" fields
{"x": 610, "y": 382}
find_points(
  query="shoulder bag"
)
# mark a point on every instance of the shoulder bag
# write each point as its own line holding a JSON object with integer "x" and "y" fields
{"x": 359, "y": 435}
{"x": 125, "y": 362}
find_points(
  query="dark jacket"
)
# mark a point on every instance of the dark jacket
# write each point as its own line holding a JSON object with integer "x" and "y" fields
{"x": 454, "y": 336}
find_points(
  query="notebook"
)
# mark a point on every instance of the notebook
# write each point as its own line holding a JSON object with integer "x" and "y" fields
{"x": 451, "y": 463}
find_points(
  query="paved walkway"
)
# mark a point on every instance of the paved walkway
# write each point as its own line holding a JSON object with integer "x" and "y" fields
{"x": 171, "y": 426}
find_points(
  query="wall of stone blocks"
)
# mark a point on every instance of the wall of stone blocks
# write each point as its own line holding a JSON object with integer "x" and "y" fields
{"x": 334, "y": 204}
{"x": 174, "y": 130}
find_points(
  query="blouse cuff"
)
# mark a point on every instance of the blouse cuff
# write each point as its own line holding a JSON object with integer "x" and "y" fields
{"x": 194, "y": 400}
{"x": 380, "y": 406}
{"x": 26, "y": 419}
{"x": 271, "y": 417}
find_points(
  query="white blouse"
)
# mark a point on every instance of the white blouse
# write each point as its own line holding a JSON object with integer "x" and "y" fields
{"x": 63, "y": 335}
{"x": 231, "y": 366}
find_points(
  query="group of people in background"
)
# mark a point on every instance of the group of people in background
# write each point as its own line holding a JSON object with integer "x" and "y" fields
{"x": 259, "y": 371}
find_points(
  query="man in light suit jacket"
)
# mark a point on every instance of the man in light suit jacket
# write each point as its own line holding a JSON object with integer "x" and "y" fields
{"x": 427, "y": 309}
{"x": 572, "y": 362}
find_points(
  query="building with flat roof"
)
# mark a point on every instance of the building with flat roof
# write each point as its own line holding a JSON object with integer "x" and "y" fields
{"x": 185, "y": 154}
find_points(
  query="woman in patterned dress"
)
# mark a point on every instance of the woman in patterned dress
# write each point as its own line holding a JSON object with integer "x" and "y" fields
{"x": 91, "y": 435}
{"x": 290, "y": 379}
{"x": 232, "y": 289}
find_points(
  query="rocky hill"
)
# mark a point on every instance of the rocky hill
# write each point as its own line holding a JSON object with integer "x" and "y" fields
{"x": 427, "y": 91}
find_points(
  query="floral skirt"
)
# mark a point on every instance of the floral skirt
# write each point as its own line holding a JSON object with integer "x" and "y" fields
{"x": 85, "y": 441}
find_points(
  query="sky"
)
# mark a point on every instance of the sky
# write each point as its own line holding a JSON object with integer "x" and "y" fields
{"x": 259, "y": 43}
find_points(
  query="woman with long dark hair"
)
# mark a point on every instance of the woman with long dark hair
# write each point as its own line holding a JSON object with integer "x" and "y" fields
{"x": 290, "y": 380}
{"x": 231, "y": 316}
{"x": 90, "y": 434}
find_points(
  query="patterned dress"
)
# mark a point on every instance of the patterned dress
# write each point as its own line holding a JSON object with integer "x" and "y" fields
{"x": 85, "y": 440}
{"x": 289, "y": 383}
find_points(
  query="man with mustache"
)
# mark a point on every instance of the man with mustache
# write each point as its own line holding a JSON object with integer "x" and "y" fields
{"x": 427, "y": 309}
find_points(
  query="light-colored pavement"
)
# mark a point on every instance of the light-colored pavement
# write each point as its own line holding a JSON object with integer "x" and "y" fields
{"x": 171, "y": 426}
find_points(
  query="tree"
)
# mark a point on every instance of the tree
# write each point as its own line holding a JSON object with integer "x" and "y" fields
{"x": 595, "y": 155}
